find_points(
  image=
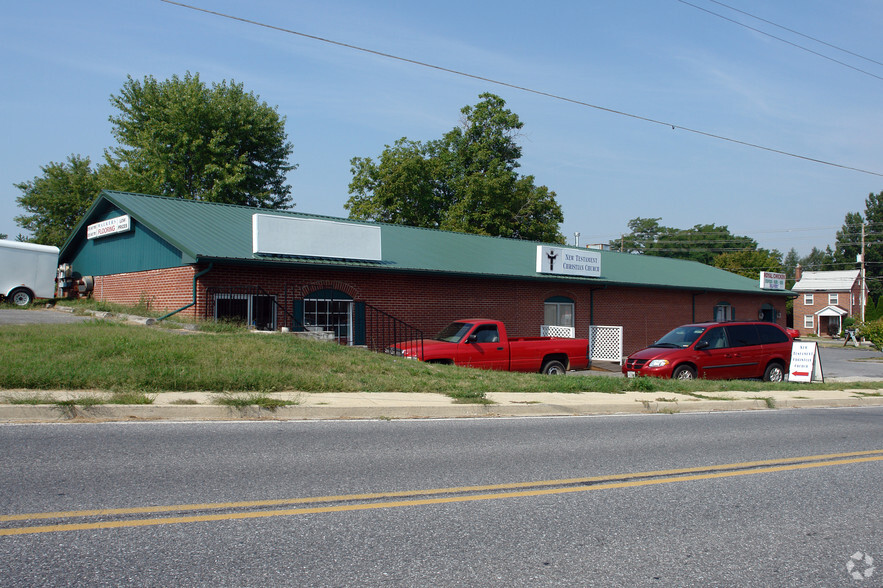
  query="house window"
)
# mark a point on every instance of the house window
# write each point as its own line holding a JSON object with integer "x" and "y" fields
{"x": 832, "y": 298}
{"x": 256, "y": 310}
{"x": 808, "y": 321}
{"x": 558, "y": 311}
{"x": 724, "y": 312}
{"x": 807, "y": 299}
{"x": 330, "y": 310}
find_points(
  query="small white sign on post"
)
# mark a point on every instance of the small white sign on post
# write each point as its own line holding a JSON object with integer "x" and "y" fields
{"x": 806, "y": 363}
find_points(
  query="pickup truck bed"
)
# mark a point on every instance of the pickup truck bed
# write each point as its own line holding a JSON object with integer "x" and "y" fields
{"x": 484, "y": 343}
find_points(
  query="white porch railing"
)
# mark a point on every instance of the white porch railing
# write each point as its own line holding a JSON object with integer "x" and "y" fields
{"x": 556, "y": 331}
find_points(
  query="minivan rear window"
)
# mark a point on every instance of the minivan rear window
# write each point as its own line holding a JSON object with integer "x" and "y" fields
{"x": 742, "y": 335}
{"x": 770, "y": 334}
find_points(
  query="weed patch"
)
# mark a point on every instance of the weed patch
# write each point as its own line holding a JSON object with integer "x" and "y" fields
{"x": 259, "y": 400}
{"x": 470, "y": 397}
{"x": 768, "y": 400}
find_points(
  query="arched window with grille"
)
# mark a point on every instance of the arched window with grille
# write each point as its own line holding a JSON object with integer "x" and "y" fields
{"x": 332, "y": 310}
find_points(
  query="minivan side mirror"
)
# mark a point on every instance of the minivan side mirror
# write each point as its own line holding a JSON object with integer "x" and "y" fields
{"x": 701, "y": 345}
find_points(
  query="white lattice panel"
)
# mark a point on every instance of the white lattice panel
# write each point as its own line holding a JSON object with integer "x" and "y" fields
{"x": 556, "y": 331}
{"x": 605, "y": 343}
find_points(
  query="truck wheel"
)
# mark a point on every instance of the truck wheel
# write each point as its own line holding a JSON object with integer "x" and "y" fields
{"x": 21, "y": 297}
{"x": 684, "y": 372}
{"x": 553, "y": 368}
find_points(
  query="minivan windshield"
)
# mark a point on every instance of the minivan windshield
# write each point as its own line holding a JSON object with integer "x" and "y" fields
{"x": 680, "y": 338}
{"x": 454, "y": 332}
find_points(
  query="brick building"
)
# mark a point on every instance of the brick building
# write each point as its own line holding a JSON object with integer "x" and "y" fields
{"x": 825, "y": 300}
{"x": 368, "y": 281}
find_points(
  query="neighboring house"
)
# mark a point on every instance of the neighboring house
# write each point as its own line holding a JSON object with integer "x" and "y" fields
{"x": 825, "y": 300}
{"x": 276, "y": 269}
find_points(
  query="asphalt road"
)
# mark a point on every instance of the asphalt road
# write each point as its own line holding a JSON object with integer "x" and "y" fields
{"x": 500, "y": 521}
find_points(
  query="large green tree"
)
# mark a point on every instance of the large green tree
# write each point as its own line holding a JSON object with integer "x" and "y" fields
{"x": 467, "y": 181}
{"x": 750, "y": 263}
{"x": 702, "y": 243}
{"x": 181, "y": 138}
{"x": 849, "y": 243}
{"x": 819, "y": 260}
{"x": 56, "y": 200}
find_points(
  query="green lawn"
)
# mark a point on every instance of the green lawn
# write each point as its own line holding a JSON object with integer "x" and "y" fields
{"x": 119, "y": 357}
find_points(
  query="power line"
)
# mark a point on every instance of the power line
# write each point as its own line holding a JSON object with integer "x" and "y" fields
{"x": 526, "y": 89}
{"x": 801, "y": 47}
{"x": 769, "y": 22}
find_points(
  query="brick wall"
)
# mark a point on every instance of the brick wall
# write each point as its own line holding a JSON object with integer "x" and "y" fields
{"x": 166, "y": 289}
{"x": 429, "y": 301}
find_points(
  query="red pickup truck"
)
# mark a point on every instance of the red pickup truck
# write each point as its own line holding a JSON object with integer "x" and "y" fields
{"x": 483, "y": 343}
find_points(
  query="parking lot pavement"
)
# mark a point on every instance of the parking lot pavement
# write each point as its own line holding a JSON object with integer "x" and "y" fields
{"x": 15, "y": 316}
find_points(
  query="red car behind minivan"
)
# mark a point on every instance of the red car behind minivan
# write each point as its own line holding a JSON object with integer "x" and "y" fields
{"x": 719, "y": 351}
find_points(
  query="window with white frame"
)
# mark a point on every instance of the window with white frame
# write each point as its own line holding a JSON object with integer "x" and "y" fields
{"x": 723, "y": 312}
{"x": 808, "y": 321}
{"x": 832, "y": 298}
{"x": 558, "y": 311}
{"x": 807, "y": 299}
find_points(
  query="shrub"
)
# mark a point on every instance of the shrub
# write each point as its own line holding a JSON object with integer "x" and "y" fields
{"x": 873, "y": 332}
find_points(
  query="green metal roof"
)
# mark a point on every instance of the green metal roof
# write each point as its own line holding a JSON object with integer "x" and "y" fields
{"x": 204, "y": 231}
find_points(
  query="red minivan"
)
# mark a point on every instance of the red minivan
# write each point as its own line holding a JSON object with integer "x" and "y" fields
{"x": 719, "y": 351}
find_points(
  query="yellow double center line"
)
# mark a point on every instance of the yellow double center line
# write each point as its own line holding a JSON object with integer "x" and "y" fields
{"x": 126, "y": 517}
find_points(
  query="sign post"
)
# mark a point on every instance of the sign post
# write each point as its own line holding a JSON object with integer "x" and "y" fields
{"x": 806, "y": 363}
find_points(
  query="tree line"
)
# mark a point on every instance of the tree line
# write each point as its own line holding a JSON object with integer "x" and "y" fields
{"x": 716, "y": 245}
{"x": 181, "y": 138}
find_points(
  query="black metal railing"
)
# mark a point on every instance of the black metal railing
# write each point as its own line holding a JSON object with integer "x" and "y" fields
{"x": 382, "y": 331}
{"x": 372, "y": 327}
{"x": 253, "y": 304}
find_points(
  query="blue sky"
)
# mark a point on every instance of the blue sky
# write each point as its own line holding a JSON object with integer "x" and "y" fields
{"x": 662, "y": 59}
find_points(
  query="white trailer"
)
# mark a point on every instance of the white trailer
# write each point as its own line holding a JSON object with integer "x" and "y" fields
{"x": 27, "y": 271}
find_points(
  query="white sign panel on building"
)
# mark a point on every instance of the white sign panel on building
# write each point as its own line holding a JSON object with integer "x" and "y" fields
{"x": 311, "y": 237}
{"x": 562, "y": 261}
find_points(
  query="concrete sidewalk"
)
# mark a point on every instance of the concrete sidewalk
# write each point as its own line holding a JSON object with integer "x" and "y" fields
{"x": 197, "y": 406}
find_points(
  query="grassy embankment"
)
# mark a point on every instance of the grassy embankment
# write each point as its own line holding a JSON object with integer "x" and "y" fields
{"x": 134, "y": 361}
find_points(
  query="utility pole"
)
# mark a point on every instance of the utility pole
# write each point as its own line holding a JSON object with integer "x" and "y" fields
{"x": 863, "y": 273}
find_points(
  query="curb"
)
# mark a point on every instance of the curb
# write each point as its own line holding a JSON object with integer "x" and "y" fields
{"x": 175, "y": 413}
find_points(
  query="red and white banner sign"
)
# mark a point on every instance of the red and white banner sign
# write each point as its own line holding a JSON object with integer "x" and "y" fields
{"x": 119, "y": 224}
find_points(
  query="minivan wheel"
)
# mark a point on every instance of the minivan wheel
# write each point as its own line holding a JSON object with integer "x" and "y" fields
{"x": 775, "y": 372}
{"x": 684, "y": 372}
